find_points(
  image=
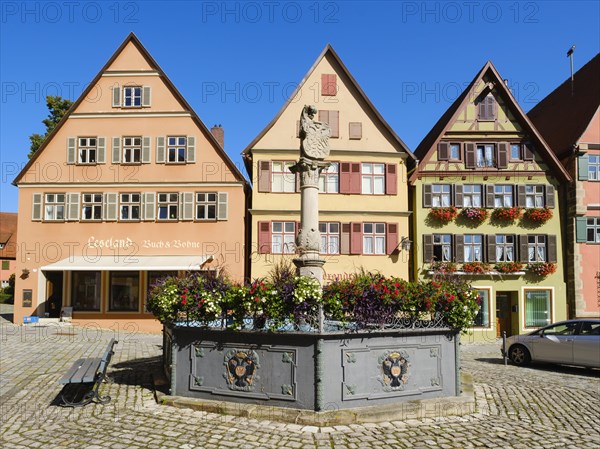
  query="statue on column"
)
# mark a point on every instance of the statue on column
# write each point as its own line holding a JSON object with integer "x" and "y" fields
{"x": 314, "y": 136}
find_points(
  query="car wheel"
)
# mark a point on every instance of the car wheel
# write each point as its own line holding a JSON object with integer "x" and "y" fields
{"x": 519, "y": 355}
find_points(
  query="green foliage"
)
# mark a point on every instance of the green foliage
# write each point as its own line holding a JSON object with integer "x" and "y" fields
{"x": 58, "y": 107}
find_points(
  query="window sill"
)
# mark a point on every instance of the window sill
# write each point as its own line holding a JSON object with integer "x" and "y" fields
{"x": 487, "y": 273}
{"x": 86, "y": 164}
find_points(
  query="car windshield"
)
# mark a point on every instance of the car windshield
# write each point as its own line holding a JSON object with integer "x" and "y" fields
{"x": 561, "y": 329}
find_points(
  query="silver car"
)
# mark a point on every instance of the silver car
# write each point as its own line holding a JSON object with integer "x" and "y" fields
{"x": 572, "y": 342}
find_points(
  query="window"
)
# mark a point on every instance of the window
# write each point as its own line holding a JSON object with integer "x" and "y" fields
{"x": 130, "y": 206}
{"x": 283, "y": 236}
{"x": 484, "y": 157}
{"x": 132, "y": 97}
{"x": 515, "y": 152}
{"x": 471, "y": 195}
{"x": 536, "y": 248}
{"x": 85, "y": 290}
{"x": 454, "y": 152}
{"x": 487, "y": 108}
{"x": 91, "y": 207}
{"x": 329, "y": 181}
{"x": 505, "y": 248}
{"x": 154, "y": 277}
{"x": 482, "y": 319}
{"x": 503, "y": 196}
{"x": 442, "y": 247}
{"x": 282, "y": 179}
{"x": 590, "y": 328}
{"x": 537, "y": 308}
{"x": 168, "y": 204}
{"x": 330, "y": 238}
{"x": 176, "y": 146}
{"x": 206, "y": 206}
{"x": 87, "y": 150}
{"x": 562, "y": 329}
{"x": 373, "y": 179}
{"x": 594, "y": 167}
{"x": 373, "y": 238}
{"x": 6, "y": 265}
{"x": 473, "y": 248}
{"x": 132, "y": 150}
{"x": 534, "y": 196}
{"x": 593, "y": 230}
{"x": 55, "y": 207}
{"x": 124, "y": 291}
{"x": 440, "y": 195}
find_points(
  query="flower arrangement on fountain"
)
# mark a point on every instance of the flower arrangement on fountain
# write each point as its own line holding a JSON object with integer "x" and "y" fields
{"x": 475, "y": 215}
{"x": 290, "y": 302}
{"x": 443, "y": 214}
{"x": 443, "y": 267}
{"x": 542, "y": 269}
{"x": 538, "y": 215}
{"x": 476, "y": 267}
{"x": 509, "y": 267}
{"x": 506, "y": 215}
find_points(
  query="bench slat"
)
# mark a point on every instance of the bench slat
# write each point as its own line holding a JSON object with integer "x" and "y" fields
{"x": 82, "y": 371}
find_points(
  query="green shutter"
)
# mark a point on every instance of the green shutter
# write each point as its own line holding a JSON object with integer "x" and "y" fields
{"x": 583, "y": 167}
{"x": 581, "y": 229}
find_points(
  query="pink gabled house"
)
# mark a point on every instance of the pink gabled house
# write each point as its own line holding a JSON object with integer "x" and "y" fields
{"x": 569, "y": 120}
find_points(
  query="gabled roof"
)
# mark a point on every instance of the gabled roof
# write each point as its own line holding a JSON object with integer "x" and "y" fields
{"x": 327, "y": 50}
{"x": 563, "y": 117}
{"x": 8, "y": 235}
{"x": 135, "y": 41}
{"x": 447, "y": 119}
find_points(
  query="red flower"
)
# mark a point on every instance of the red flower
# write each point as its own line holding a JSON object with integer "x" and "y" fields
{"x": 183, "y": 297}
{"x": 183, "y": 302}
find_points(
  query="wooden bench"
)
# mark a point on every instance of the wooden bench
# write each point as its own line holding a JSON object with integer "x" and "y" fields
{"x": 83, "y": 373}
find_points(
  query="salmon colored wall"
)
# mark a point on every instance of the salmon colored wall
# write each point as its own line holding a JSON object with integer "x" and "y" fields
{"x": 592, "y": 133}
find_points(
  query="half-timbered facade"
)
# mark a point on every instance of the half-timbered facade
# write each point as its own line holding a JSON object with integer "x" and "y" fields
{"x": 363, "y": 201}
{"x": 569, "y": 120}
{"x": 481, "y": 167}
{"x": 128, "y": 188}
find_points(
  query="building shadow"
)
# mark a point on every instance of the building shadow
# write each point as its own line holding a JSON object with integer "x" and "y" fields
{"x": 547, "y": 367}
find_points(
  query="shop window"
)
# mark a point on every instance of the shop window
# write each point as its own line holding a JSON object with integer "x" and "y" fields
{"x": 537, "y": 308}
{"x": 483, "y": 316}
{"x": 124, "y": 291}
{"x": 85, "y": 291}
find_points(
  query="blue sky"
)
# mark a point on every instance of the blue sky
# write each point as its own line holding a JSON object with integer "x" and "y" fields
{"x": 235, "y": 62}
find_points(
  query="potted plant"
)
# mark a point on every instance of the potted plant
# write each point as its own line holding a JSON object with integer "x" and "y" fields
{"x": 443, "y": 214}
{"x": 475, "y": 215}
{"x": 475, "y": 267}
{"x": 506, "y": 215}
{"x": 542, "y": 269}
{"x": 444, "y": 267}
{"x": 509, "y": 267}
{"x": 538, "y": 215}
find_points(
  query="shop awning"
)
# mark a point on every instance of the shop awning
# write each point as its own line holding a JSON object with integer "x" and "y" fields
{"x": 129, "y": 263}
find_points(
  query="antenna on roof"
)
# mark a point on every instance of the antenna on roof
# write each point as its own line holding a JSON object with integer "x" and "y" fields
{"x": 570, "y": 56}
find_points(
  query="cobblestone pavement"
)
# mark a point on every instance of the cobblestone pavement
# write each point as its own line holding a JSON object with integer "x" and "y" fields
{"x": 522, "y": 408}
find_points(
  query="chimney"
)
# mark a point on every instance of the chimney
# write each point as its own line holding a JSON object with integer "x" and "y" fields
{"x": 219, "y": 135}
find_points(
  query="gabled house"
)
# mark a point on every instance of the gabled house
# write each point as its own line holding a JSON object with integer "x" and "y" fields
{"x": 363, "y": 201}
{"x": 8, "y": 246}
{"x": 128, "y": 188}
{"x": 481, "y": 166}
{"x": 569, "y": 120}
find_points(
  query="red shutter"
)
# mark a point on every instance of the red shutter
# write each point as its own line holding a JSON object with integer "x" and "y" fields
{"x": 391, "y": 179}
{"x": 328, "y": 84}
{"x": 345, "y": 239}
{"x": 355, "y": 179}
{"x": 345, "y": 177}
{"x": 264, "y": 176}
{"x": 324, "y": 116}
{"x": 334, "y": 123}
{"x": 355, "y": 130}
{"x": 391, "y": 238}
{"x": 264, "y": 237}
{"x": 355, "y": 238}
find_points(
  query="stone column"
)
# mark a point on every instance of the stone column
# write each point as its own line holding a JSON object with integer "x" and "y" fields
{"x": 308, "y": 242}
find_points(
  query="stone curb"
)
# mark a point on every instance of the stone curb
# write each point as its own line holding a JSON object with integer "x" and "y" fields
{"x": 417, "y": 409}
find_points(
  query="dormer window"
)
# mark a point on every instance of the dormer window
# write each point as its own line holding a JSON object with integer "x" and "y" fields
{"x": 132, "y": 97}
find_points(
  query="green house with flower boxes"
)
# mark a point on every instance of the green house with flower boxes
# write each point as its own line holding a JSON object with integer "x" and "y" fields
{"x": 486, "y": 196}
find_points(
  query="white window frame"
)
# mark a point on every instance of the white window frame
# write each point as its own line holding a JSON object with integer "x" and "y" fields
{"x": 593, "y": 225}
{"x": 593, "y": 167}
{"x": 469, "y": 192}
{"x": 374, "y": 238}
{"x": 53, "y": 204}
{"x": 537, "y": 246}
{"x": 329, "y": 181}
{"x": 130, "y": 93}
{"x": 503, "y": 244}
{"x": 441, "y": 195}
{"x": 170, "y": 202}
{"x": 127, "y": 201}
{"x": 132, "y": 150}
{"x": 282, "y": 179}
{"x": 205, "y": 202}
{"x": 283, "y": 237}
{"x": 550, "y": 311}
{"x": 443, "y": 241}
{"x": 176, "y": 149}
{"x": 534, "y": 196}
{"x": 86, "y": 147}
{"x": 502, "y": 193}
{"x": 487, "y": 313}
{"x": 92, "y": 202}
{"x": 372, "y": 178}
{"x": 485, "y": 155}
{"x": 330, "y": 237}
